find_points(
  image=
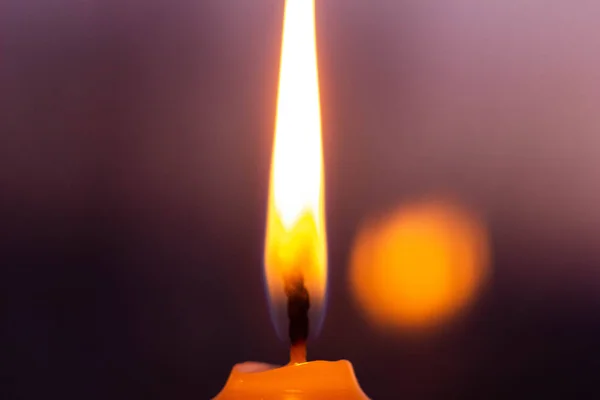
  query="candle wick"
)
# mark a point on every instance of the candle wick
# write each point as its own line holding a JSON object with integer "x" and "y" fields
{"x": 298, "y": 353}
{"x": 298, "y": 306}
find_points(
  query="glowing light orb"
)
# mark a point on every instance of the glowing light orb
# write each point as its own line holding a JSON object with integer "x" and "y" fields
{"x": 419, "y": 265}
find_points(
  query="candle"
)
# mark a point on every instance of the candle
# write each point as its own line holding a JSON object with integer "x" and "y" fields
{"x": 295, "y": 246}
{"x": 315, "y": 380}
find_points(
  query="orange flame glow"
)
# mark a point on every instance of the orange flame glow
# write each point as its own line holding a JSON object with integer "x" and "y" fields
{"x": 296, "y": 238}
{"x": 420, "y": 265}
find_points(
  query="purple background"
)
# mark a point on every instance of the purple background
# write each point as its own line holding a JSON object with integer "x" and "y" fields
{"x": 134, "y": 158}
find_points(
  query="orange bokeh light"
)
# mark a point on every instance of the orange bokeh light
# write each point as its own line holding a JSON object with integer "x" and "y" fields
{"x": 419, "y": 265}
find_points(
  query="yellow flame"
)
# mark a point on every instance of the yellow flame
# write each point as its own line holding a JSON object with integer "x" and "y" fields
{"x": 296, "y": 238}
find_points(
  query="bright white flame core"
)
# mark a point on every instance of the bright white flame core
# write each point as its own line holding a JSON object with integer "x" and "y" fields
{"x": 297, "y": 157}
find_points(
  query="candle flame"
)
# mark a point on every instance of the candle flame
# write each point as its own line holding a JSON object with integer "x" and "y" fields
{"x": 296, "y": 238}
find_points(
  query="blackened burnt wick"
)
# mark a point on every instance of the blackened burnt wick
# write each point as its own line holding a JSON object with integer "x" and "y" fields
{"x": 298, "y": 304}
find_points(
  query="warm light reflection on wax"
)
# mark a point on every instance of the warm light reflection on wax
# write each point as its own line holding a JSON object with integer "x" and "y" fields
{"x": 296, "y": 238}
{"x": 316, "y": 380}
{"x": 420, "y": 265}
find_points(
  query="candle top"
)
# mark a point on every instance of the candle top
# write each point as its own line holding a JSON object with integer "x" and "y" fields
{"x": 313, "y": 380}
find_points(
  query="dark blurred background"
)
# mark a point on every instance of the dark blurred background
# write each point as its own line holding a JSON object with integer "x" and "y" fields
{"x": 134, "y": 159}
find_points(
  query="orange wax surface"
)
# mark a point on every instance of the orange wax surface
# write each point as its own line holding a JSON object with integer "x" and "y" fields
{"x": 314, "y": 380}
